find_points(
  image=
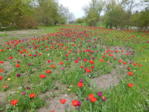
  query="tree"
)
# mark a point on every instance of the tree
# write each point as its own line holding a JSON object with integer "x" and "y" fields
{"x": 115, "y": 15}
{"x": 12, "y": 13}
{"x": 47, "y": 12}
{"x": 93, "y": 12}
{"x": 65, "y": 16}
{"x": 141, "y": 19}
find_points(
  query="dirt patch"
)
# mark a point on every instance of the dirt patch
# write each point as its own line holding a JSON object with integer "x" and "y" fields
{"x": 54, "y": 104}
{"x": 8, "y": 67}
{"x": 3, "y": 98}
{"x": 109, "y": 80}
{"x": 52, "y": 99}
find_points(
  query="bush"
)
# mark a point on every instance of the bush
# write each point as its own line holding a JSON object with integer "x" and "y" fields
{"x": 26, "y": 22}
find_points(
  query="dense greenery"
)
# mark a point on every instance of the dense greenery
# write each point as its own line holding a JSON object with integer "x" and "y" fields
{"x": 30, "y": 13}
{"x": 118, "y": 14}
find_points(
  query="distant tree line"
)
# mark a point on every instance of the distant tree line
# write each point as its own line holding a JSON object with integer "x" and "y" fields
{"x": 117, "y": 14}
{"x": 31, "y": 13}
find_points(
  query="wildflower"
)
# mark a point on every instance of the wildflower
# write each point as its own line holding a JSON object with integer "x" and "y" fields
{"x": 42, "y": 76}
{"x": 48, "y": 71}
{"x": 103, "y": 98}
{"x": 91, "y": 62}
{"x": 61, "y": 63}
{"x": 99, "y": 93}
{"x": 120, "y": 60}
{"x": 76, "y": 103}
{"x": 124, "y": 63}
{"x": 80, "y": 84}
{"x": 76, "y": 61}
{"x": 32, "y": 95}
{"x": 92, "y": 67}
{"x": 84, "y": 60}
{"x": 128, "y": 68}
{"x": 23, "y": 93}
{"x": 81, "y": 66}
{"x": 5, "y": 86}
{"x": 101, "y": 60}
{"x": 10, "y": 57}
{"x": 62, "y": 68}
{"x": 130, "y": 85}
{"x": 1, "y": 62}
{"x": 91, "y": 96}
{"x": 18, "y": 75}
{"x": 9, "y": 79}
{"x": 52, "y": 66}
{"x": 17, "y": 65}
{"x": 63, "y": 101}
{"x": 87, "y": 70}
{"x": 1, "y": 70}
{"x": 130, "y": 73}
{"x": 49, "y": 61}
{"x": 93, "y": 99}
{"x": 14, "y": 102}
{"x": 1, "y": 77}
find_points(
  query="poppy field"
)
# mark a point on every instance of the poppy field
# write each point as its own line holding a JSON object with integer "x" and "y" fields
{"x": 76, "y": 69}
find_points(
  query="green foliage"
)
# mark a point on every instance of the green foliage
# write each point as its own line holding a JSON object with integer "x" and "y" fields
{"x": 16, "y": 13}
{"x": 93, "y": 12}
{"x": 116, "y": 16}
{"x": 141, "y": 19}
{"x": 26, "y": 13}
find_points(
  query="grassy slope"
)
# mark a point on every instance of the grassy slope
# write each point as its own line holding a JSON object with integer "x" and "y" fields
{"x": 120, "y": 98}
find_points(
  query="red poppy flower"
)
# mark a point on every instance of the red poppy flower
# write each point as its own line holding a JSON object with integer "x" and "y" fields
{"x": 76, "y": 61}
{"x": 14, "y": 102}
{"x": 101, "y": 60}
{"x": 88, "y": 70}
{"x": 17, "y": 65}
{"x": 130, "y": 73}
{"x": 81, "y": 66}
{"x": 1, "y": 77}
{"x": 130, "y": 85}
{"x": 91, "y": 61}
{"x": 124, "y": 63}
{"x": 76, "y": 103}
{"x": 63, "y": 101}
{"x": 48, "y": 71}
{"x": 32, "y": 95}
{"x": 128, "y": 68}
{"x": 111, "y": 55}
{"x": 67, "y": 55}
{"x": 1, "y": 70}
{"x": 61, "y": 63}
{"x": 52, "y": 66}
{"x": 49, "y": 61}
{"x": 84, "y": 60}
{"x": 120, "y": 60}
{"x": 92, "y": 67}
{"x": 91, "y": 96}
{"x": 80, "y": 84}
{"x": 134, "y": 64}
{"x": 42, "y": 76}
{"x": 1, "y": 50}
{"x": 1, "y": 62}
{"x": 10, "y": 57}
{"x": 93, "y": 99}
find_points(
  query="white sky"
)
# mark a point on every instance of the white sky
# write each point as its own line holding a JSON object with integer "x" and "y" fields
{"x": 75, "y": 6}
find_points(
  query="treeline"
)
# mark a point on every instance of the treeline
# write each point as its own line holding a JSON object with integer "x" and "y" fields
{"x": 119, "y": 14}
{"x": 31, "y": 13}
